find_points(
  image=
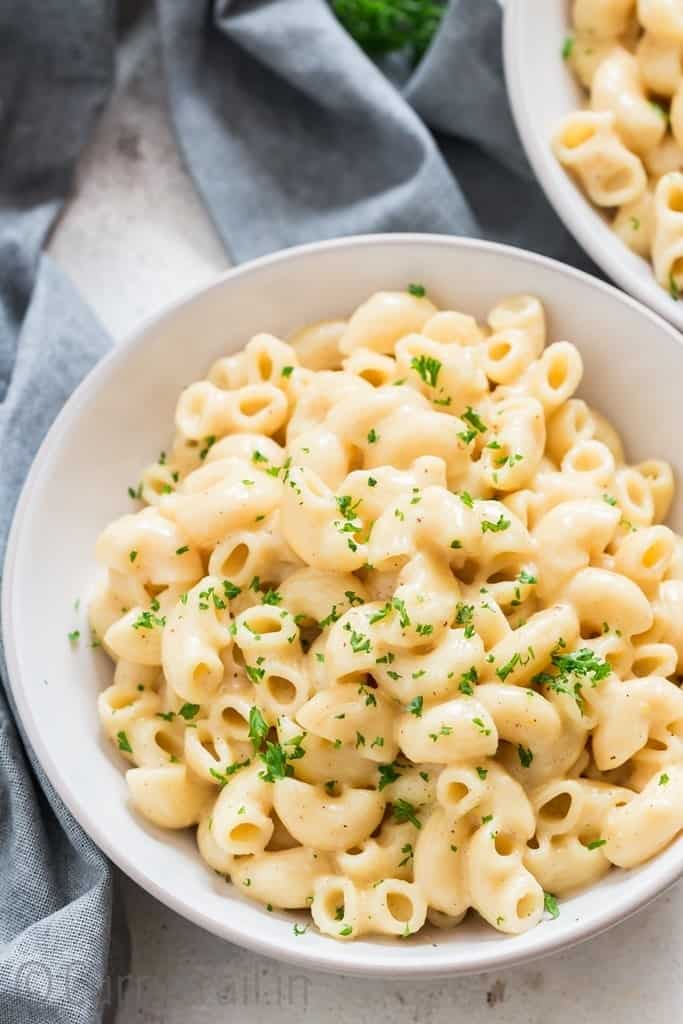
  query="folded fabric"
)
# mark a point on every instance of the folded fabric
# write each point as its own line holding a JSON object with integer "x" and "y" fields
{"x": 292, "y": 134}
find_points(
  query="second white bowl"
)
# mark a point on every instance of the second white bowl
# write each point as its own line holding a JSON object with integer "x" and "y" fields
{"x": 542, "y": 91}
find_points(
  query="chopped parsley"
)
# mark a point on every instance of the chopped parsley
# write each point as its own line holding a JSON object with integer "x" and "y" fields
{"x": 415, "y": 706}
{"x": 330, "y": 619}
{"x": 124, "y": 742}
{"x": 383, "y": 26}
{"x": 347, "y": 506}
{"x": 409, "y": 854}
{"x": 403, "y": 810}
{"x": 360, "y": 644}
{"x": 223, "y": 777}
{"x": 567, "y": 47}
{"x": 574, "y": 671}
{"x": 483, "y": 729}
{"x": 275, "y": 758}
{"x": 183, "y": 550}
{"x": 464, "y": 614}
{"x": 189, "y": 711}
{"x": 373, "y": 436}
{"x": 255, "y": 673}
{"x": 467, "y": 681}
{"x": 132, "y": 555}
{"x": 370, "y": 699}
{"x": 663, "y": 779}
{"x": 427, "y": 367}
{"x": 445, "y": 730}
{"x": 209, "y": 442}
{"x": 508, "y": 460}
{"x": 404, "y": 618}
{"x": 504, "y": 671}
{"x": 258, "y": 727}
{"x": 501, "y": 524}
{"x": 466, "y": 499}
{"x": 595, "y": 844}
{"x": 148, "y": 620}
{"x": 525, "y": 756}
{"x": 482, "y": 773}
{"x": 550, "y": 905}
{"x": 74, "y": 636}
{"x": 287, "y": 371}
{"x": 387, "y": 772}
{"x": 208, "y": 597}
{"x": 418, "y": 290}
{"x": 476, "y": 425}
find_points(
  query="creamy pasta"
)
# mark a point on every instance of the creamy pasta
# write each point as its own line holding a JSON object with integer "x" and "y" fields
{"x": 397, "y": 628}
{"x": 625, "y": 148}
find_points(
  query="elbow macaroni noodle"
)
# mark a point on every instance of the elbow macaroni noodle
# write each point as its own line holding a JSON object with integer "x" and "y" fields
{"x": 626, "y": 148}
{"x": 398, "y": 629}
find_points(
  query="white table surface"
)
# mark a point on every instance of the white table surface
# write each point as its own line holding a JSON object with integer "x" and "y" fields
{"x": 135, "y": 237}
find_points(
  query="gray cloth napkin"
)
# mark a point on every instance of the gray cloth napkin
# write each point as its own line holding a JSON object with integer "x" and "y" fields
{"x": 291, "y": 134}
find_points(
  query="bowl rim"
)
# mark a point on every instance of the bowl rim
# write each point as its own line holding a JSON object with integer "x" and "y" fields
{"x": 338, "y": 958}
{"x": 571, "y": 206}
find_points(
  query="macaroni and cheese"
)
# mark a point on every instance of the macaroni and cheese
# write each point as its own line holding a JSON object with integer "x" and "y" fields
{"x": 626, "y": 148}
{"x": 397, "y": 627}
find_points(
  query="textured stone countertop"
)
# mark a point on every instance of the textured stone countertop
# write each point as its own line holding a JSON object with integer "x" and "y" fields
{"x": 134, "y": 238}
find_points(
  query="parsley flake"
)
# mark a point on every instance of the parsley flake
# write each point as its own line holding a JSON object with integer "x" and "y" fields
{"x": 427, "y": 367}
{"x": 550, "y": 905}
{"x": 415, "y": 706}
{"x": 525, "y": 756}
{"x": 501, "y": 524}
{"x": 124, "y": 742}
{"x": 403, "y": 810}
{"x": 387, "y": 772}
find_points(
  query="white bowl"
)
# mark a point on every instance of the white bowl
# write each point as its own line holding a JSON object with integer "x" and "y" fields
{"x": 119, "y": 419}
{"x": 542, "y": 90}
